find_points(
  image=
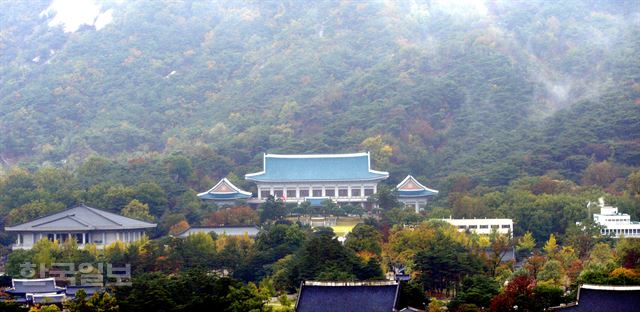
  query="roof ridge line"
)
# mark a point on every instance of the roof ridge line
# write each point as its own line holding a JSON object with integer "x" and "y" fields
{"x": 101, "y": 215}
{"x": 54, "y": 220}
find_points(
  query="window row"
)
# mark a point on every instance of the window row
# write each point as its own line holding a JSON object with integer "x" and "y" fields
{"x": 621, "y": 231}
{"x": 484, "y": 226}
{"x": 317, "y": 192}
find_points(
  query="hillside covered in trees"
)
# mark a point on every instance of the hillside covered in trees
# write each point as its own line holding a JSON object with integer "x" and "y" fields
{"x": 493, "y": 90}
{"x": 525, "y": 110}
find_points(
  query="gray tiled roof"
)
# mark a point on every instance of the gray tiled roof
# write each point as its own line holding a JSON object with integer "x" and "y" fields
{"x": 597, "y": 298}
{"x": 34, "y": 286}
{"x": 347, "y": 297}
{"x": 81, "y": 218}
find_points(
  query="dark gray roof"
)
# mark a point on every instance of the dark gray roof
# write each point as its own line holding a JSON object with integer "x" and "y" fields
{"x": 595, "y": 298}
{"x": 34, "y": 286}
{"x": 347, "y": 296}
{"x": 81, "y": 218}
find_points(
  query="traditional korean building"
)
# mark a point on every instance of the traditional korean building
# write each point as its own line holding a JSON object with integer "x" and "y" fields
{"x": 32, "y": 291}
{"x": 413, "y": 194}
{"x": 604, "y": 298}
{"x": 225, "y": 193}
{"x": 45, "y": 291}
{"x": 343, "y": 178}
{"x": 84, "y": 224}
{"x": 369, "y": 296}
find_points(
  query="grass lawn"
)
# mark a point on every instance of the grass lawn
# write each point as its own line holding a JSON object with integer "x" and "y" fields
{"x": 345, "y": 225}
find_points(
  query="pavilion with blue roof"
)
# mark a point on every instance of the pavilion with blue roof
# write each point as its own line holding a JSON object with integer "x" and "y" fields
{"x": 343, "y": 178}
{"x": 412, "y": 193}
{"x": 224, "y": 192}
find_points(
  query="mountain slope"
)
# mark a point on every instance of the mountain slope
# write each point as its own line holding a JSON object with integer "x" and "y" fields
{"x": 495, "y": 90}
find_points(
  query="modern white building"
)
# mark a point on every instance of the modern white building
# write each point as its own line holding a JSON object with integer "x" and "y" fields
{"x": 483, "y": 226}
{"x": 343, "y": 178}
{"x": 84, "y": 224}
{"x": 615, "y": 223}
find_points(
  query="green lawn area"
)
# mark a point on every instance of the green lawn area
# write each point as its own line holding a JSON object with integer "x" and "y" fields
{"x": 345, "y": 225}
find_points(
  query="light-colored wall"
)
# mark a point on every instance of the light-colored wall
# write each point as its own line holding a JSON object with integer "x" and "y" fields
{"x": 335, "y": 186}
{"x": 483, "y": 226}
{"x": 100, "y": 238}
{"x": 417, "y": 203}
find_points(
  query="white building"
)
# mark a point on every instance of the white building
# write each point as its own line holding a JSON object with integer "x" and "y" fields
{"x": 483, "y": 226}
{"x": 343, "y": 178}
{"x": 615, "y": 223}
{"x": 83, "y": 224}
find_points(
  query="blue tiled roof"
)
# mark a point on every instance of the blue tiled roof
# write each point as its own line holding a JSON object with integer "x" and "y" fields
{"x": 224, "y": 190}
{"x": 410, "y": 187}
{"x": 223, "y": 196}
{"x": 417, "y": 193}
{"x": 334, "y": 167}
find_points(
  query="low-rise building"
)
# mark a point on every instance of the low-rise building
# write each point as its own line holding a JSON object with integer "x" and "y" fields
{"x": 483, "y": 226}
{"x": 251, "y": 231}
{"x": 615, "y": 223}
{"x": 84, "y": 224}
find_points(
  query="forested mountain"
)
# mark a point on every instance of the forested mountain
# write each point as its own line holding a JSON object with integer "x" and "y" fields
{"x": 490, "y": 89}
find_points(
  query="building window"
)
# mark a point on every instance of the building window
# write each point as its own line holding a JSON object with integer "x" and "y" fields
{"x": 355, "y": 192}
{"x": 506, "y": 226}
{"x": 291, "y": 193}
{"x": 368, "y": 192}
{"x": 343, "y": 192}
{"x": 473, "y": 226}
{"x": 484, "y": 226}
{"x": 79, "y": 238}
{"x": 317, "y": 192}
{"x": 277, "y": 193}
{"x": 304, "y": 193}
{"x": 330, "y": 192}
{"x": 462, "y": 227}
{"x": 51, "y": 237}
{"x": 264, "y": 194}
{"x": 495, "y": 226}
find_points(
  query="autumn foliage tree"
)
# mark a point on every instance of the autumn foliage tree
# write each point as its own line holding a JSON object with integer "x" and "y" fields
{"x": 238, "y": 215}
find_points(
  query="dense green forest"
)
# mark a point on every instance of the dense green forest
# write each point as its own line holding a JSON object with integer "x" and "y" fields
{"x": 511, "y": 109}
{"x": 493, "y": 90}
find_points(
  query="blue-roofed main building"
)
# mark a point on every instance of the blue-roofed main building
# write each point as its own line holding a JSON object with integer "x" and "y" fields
{"x": 340, "y": 177}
